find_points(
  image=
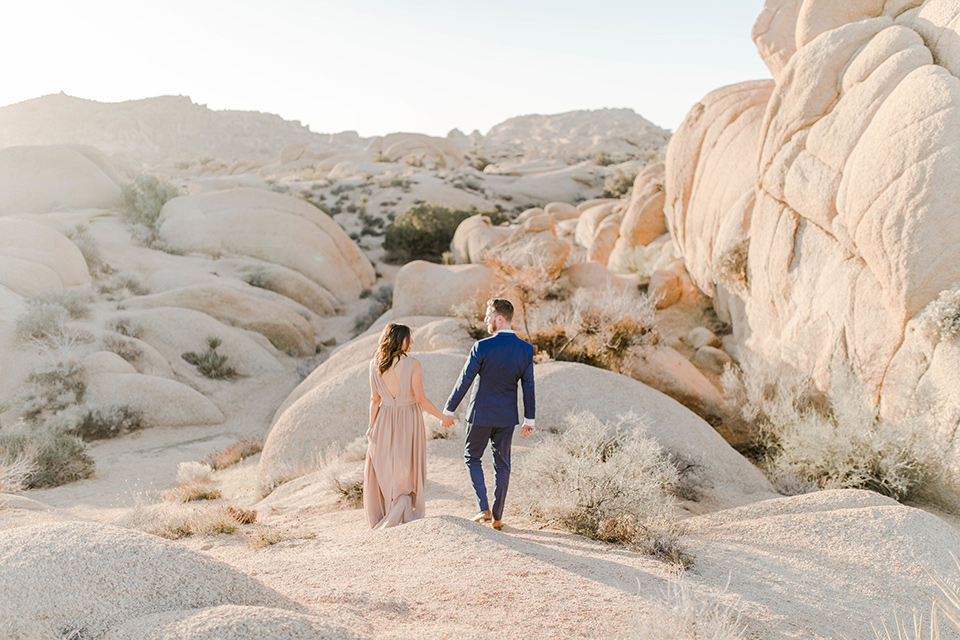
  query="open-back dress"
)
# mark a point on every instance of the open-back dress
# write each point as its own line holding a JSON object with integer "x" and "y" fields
{"x": 396, "y": 469}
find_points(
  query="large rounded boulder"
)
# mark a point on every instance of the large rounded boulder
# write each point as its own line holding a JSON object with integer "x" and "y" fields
{"x": 273, "y": 227}
{"x": 42, "y": 179}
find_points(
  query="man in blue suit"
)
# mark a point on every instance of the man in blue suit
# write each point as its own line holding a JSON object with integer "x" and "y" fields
{"x": 500, "y": 362}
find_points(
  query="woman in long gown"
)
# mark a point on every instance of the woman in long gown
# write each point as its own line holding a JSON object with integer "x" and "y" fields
{"x": 396, "y": 469}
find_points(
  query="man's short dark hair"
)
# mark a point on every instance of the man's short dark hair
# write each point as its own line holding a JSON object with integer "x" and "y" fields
{"x": 503, "y": 307}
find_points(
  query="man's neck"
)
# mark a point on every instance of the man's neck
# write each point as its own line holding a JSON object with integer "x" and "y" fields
{"x": 506, "y": 327}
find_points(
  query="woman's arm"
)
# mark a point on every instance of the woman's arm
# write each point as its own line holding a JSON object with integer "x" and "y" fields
{"x": 422, "y": 399}
{"x": 374, "y": 400}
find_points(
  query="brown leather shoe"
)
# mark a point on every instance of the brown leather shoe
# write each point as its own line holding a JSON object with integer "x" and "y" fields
{"x": 497, "y": 524}
{"x": 483, "y": 516}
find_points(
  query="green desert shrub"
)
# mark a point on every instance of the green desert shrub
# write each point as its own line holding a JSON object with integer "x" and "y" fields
{"x": 144, "y": 198}
{"x": 56, "y": 457}
{"x": 619, "y": 184}
{"x": 99, "y": 423}
{"x": 836, "y": 439}
{"x": 425, "y": 231}
{"x": 210, "y": 363}
{"x": 607, "y": 482}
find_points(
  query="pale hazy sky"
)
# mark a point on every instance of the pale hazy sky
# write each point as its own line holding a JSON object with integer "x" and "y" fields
{"x": 378, "y": 66}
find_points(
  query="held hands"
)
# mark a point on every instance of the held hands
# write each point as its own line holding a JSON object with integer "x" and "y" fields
{"x": 447, "y": 421}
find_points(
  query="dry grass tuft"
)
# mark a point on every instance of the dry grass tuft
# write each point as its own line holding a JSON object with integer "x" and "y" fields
{"x": 241, "y": 515}
{"x": 234, "y": 454}
{"x": 684, "y": 616}
{"x": 193, "y": 491}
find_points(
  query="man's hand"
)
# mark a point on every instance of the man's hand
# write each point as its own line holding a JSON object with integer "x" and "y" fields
{"x": 447, "y": 421}
{"x": 527, "y": 430}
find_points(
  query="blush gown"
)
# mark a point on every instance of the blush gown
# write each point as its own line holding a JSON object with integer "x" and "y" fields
{"x": 396, "y": 468}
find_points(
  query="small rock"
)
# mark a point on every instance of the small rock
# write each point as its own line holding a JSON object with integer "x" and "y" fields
{"x": 702, "y": 337}
{"x": 710, "y": 359}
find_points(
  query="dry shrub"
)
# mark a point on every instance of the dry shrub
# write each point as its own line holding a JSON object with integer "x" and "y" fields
{"x": 80, "y": 235}
{"x": 604, "y": 481}
{"x": 641, "y": 260}
{"x": 598, "y": 326}
{"x": 175, "y": 521}
{"x": 234, "y": 454}
{"x": 241, "y": 515}
{"x": 682, "y": 615}
{"x": 192, "y": 471}
{"x": 832, "y": 440}
{"x": 192, "y": 491}
{"x": 126, "y": 348}
{"x": 341, "y": 477}
{"x": 55, "y": 457}
{"x": 266, "y": 537}
{"x": 528, "y": 285}
{"x": 15, "y": 472}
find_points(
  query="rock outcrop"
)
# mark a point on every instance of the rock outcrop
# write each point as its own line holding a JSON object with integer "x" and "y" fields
{"x": 818, "y": 209}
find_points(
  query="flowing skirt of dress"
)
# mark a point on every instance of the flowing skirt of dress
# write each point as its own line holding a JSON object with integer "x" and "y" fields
{"x": 395, "y": 471}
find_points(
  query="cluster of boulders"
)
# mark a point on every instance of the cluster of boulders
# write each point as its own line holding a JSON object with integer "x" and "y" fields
{"x": 586, "y": 246}
{"x": 263, "y": 273}
{"x": 817, "y": 209}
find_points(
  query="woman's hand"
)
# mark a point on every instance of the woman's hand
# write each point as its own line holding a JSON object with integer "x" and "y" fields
{"x": 447, "y": 421}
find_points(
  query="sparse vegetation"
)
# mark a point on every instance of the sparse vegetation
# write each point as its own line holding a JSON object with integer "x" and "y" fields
{"x": 640, "y": 260}
{"x": 241, "y": 515}
{"x": 944, "y": 313}
{"x": 425, "y": 231}
{"x": 192, "y": 491}
{"x": 684, "y": 615}
{"x": 124, "y": 347}
{"x": 597, "y": 327}
{"x": 143, "y": 199}
{"x": 56, "y": 458}
{"x": 45, "y": 320}
{"x": 119, "y": 286}
{"x": 234, "y": 454}
{"x": 605, "y": 481}
{"x": 209, "y": 363}
{"x": 619, "y": 184}
{"x": 193, "y": 471}
{"x": 341, "y": 477}
{"x": 80, "y": 235}
{"x": 834, "y": 440}
{"x": 15, "y": 472}
{"x": 98, "y": 423}
{"x": 381, "y": 300}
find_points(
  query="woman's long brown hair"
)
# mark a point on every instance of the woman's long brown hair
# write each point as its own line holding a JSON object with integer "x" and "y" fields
{"x": 393, "y": 341}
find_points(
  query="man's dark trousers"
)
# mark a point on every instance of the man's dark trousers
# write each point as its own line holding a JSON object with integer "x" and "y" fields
{"x": 500, "y": 439}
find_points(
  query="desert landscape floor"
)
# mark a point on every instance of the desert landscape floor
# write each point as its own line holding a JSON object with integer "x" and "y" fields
{"x": 812, "y": 566}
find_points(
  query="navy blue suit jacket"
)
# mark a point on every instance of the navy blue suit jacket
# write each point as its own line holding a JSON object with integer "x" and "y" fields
{"x": 500, "y": 362}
